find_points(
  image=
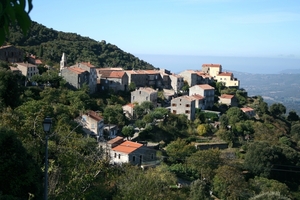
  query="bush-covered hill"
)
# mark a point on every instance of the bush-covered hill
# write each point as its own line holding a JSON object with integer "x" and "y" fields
{"x": 49, "y": 44}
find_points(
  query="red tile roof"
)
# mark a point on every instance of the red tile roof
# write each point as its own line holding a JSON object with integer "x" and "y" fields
{"x": 211, "y": 65}
{"x": 225, "y": 74}
{"x": 94, "y": 115}
{"x": 87, "y": 64}
{"x": 77, "y": 70}
{"x": 147, "y": 89}
{"x": 116, "y": 139}
{"x": 26, "y": 64}
{"x": 127, "y": 147}
{"x": 247, "y": 109}
{"x": 205, "y": 87}
{"x": 227, "y": 96}
{"x": 198, "y": 97}
{"x": 130, "y": 105}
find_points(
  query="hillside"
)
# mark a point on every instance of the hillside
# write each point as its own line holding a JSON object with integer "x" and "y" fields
{"x": 274, "y": 88}
{"x": 49, "y": 44}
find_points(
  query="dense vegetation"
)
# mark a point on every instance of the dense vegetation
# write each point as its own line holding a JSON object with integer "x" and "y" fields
{"x": 49, "y": 45}
{"x": 263, "y": 160}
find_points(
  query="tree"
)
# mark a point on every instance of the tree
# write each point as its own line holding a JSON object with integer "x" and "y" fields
{"x": 293, "y": 116}
{"x": 20, "y": 176}
{"x": 199, "y": 190}
{"x": 205, "y": 162}
{"x": 140, "y": 123}
{"x": 185, "y": 86}
{"x": 128, "y": 131}
{"x": 229, "y": 183}
{"x": 178, "y": 150}
{"x": 261, "y": 157}
{"x": 202, "y": 129}
{"x": 13, "y": 12}
{"x": 277, "y": 109}
{"x": 150, "y": 184}
{"x": 10, "y": 90}
{"x": 263, "y": 185}
{"x": 113, "y": 114}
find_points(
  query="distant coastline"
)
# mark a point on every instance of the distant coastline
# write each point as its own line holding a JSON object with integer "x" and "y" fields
{"x": 253, "y": 65}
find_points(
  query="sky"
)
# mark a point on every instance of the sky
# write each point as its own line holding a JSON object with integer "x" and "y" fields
{"x": 181, "y": 27}
{"x": 246, "y": 28}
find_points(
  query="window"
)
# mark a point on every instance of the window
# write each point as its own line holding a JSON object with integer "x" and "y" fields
{"x": 115, "y": 155}
{"x": 133, "y": 158}
{"x": 187, "y": 105}
{"x": 174, "y": 111}
{"x": 132, "y": 97}
{"x": 187, "y": 112}
{"x": 152, "y": 156}
{"x": 146, "y": 98}
{"x": 140, "y": 92}
{"x": 220, "y": 78}
{"x": 119, "y": 156}
{"x": 174, "y": 104}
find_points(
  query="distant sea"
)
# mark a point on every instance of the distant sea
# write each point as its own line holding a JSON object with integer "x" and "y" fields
{"x": 254, "y": 65}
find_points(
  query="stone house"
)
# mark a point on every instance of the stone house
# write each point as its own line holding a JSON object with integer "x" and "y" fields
{"x": 120, "y": 151}
{"x": 184, "y": 105}
{"x": 75, "y": 76}
{"x": 27, "y": 69}
{"x": 11, "y": 54}
{"x": 177, "y": 82}
{"x": 131, "y": 152}
{"x": 190, "y": 76}
{"x": 212, "y": 69}
{"x": 249, "y": 111}
{"x": 228, "y": 79}
{"x": 128, "y": 110}
{"x": 205, "y": 90}
{"x": 115, "y": 80}
{"x": 199, "y": 101}
{"x": 93, "y": 124}
{"x": 87, "y": 66}
{"x": 144, "y": 94}
{"x": 228, "y": 99}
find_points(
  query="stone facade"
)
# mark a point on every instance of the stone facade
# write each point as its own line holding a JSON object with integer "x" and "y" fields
{"x": 11, "y": 54}
{"x": 76, "y": 77}
{"x": 27, "y": 69}
{"x": 87, "y": 66}
{"x": 229, "y": 100}
{"x": 144, "y": 94}
{"x": 184, "y": 105}
{"x": 115, "y": 80}
{"x": 205, "y": 90}
{"x": 177, "y": 82}
{"x": 93, "y": 124}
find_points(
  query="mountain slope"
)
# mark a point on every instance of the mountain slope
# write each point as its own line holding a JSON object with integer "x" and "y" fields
{"x": 49, "y": 45}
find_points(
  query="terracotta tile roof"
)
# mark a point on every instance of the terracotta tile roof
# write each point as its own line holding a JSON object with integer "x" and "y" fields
{"x": 225, "y": 74}
{"x": 38, "y": 62}
{"x": 6, "y": 46}
{"x": 189, "y": 98}
{"x": 116, "y": 139}
{"x": 111, "y": 68}
{"x": 205, "y": 87}
{"x": 211, "y": 65}
{"x": 26, "y": 64}
{"x": 198, "y": 97}
{"x": 14, "y": 68}
{"x": 142, "y": 72}
{"x": 76, "y": 70}
{"x": 227, "y": 96}
{"x": 127, "y": 147}
{"x": 147, "y": 89}
{"x": 87, "y": 64}
{"x": 94, "y": 115}
{"x": 247, "y": 109}
{"x": 130, "y": 105}
{"x": 111, "y": 74}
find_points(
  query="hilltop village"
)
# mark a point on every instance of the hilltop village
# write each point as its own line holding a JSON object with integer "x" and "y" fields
{"x": 192, "y": 135}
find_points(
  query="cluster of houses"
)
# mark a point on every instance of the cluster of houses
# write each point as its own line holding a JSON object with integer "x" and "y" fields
{"x": 147, "y": 82}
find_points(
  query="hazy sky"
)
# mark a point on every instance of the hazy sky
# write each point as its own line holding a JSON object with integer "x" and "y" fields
{"x": 181, "y": 27}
